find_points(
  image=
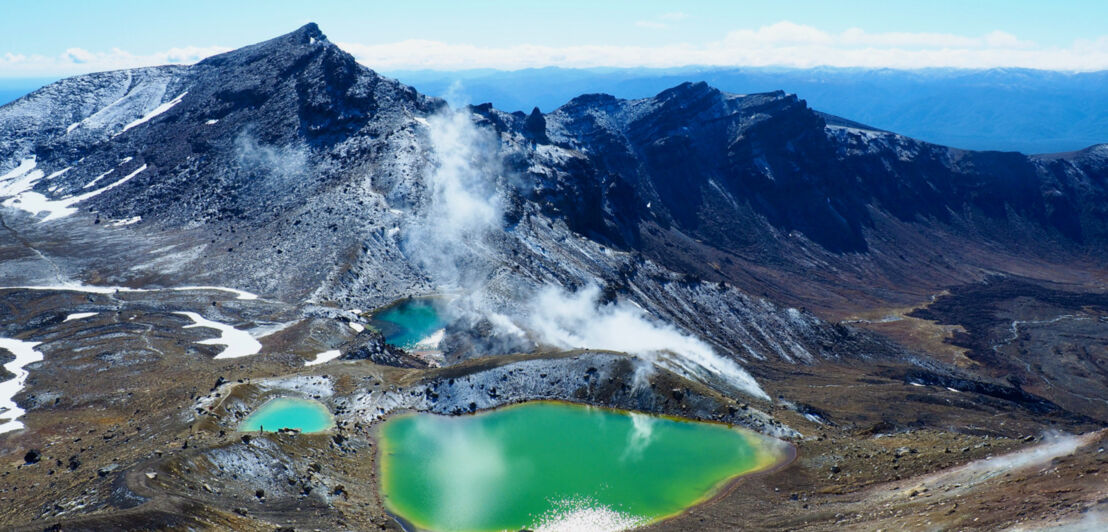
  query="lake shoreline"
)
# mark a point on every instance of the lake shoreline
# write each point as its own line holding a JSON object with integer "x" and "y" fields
{"x": 778, "y": 453}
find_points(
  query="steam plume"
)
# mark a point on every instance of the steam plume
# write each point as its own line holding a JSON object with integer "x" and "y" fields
{"x": 452, "y": 243}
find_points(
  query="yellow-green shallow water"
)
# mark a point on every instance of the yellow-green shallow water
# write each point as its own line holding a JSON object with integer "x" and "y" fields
{"x": 543, "y": 464}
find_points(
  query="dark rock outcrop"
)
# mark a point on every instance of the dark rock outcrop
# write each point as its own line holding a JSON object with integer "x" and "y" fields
{"x": 370, "y": 345}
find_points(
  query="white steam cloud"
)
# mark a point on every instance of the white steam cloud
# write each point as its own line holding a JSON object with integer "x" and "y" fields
{"x": 578, "y": 320}
{"x": 1053, "y": 446}
{"x": 450, "y": 240}
{"x": 276, "y": 165}
{"x": 453, "y": 243}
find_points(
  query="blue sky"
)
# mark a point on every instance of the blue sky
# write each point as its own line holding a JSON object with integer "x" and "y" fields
{"x": 64, "y": 36}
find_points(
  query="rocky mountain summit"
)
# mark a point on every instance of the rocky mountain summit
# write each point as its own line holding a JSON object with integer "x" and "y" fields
{"x": 742, "y": 258}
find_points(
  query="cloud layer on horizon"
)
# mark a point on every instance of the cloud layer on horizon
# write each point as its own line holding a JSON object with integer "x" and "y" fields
{"x": 80, "y": 61}
{"x": 781, "y": 44}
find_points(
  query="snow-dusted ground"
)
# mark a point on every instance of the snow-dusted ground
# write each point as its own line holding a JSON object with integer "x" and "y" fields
{"x": 314, "y": 386}
{"x": 324, "y": 357}
{"x": 239, "y": 343}
{"x": 261, "y": 331}
{"x": 25, "y": 353}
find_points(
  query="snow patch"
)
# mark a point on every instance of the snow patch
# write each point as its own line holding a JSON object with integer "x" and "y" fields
{"x": 90, "y": 289}
{"x": 24, "y": 166}
{"x": 128, "y": 221}
{"x": 357, "y": 327}
{"x": 239, "y": 343}
{"x": 100, "y": 191}
{"x": 324, "y": 357}
{"x": 21, "y": 178}
{"x": 157, "y": 111}
{"x": 212, "y": 122}
{"x": 239, "y": 294}
{"x": 79, "y": 316}
{"x": 58, "y": 173}
{"x": 25, "y": 353}
{"x": 96, "y": 180}
{"x": 35, "y": 203}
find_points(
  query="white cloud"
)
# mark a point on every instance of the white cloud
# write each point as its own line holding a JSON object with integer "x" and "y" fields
{"x": 78, "y": 55}
{"x": 780, "y": 44}
{"x": 79, "y": 61}
{"x": 781, "y": 33}
{"x": 662, "y": 21}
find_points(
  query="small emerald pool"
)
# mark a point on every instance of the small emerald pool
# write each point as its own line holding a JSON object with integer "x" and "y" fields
{"x": 554, "y": 466}
{"x": 413, "y": 323}
{"x": 289, "y": 413}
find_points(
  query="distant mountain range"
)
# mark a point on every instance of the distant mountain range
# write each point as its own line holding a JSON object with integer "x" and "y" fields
{"x": 1012, "y": 109}
{"x": 1032, "y": 111}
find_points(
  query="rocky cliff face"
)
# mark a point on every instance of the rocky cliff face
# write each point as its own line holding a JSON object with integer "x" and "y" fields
{"x": 702, "y": 180}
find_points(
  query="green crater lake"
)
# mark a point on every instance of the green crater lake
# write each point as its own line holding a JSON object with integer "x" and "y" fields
{"x": 407, "y": 323}
{"x": 289, "y": 413}
{"x": 548, "y": 465}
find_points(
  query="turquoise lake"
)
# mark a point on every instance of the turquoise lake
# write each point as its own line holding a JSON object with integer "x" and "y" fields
{"x": 289, "y": 413}
{"x": 407, "y": 322}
